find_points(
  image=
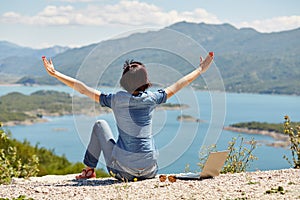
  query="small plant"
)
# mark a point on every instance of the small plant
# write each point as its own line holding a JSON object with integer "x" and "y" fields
{"x": 11, "y": 165}
{"x": 21, "y": 197}
{"x": 203, "y": 154}
{"x": 279, "y": 189}
{"x": 187, "y": 168}
{"x": 239, "y": 156}
{"x": 294, "y": 134}
{"x": 250, "y": 182}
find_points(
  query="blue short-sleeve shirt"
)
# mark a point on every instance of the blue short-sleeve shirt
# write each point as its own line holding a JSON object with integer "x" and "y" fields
{"x": 135, "y": 146}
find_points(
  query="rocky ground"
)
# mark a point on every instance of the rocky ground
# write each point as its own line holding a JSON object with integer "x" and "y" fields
{"x": 275, "y": 184}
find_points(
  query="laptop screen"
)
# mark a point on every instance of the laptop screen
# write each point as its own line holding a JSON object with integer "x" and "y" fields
{"x": 214, "y": 164}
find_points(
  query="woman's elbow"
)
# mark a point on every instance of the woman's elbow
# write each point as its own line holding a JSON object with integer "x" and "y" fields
{"x": 81, "y": 87}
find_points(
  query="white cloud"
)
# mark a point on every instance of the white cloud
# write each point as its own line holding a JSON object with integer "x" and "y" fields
{"x": 274, "y": 24}
{"x": 51, "y": 15}
{"x": 131, "y": 13}
{"x": 135, "y": 13}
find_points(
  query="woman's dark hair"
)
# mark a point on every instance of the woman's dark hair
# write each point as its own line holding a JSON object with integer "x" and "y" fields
{"x": 134, "y": 77}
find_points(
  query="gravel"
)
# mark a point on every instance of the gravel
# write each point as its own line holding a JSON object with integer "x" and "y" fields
{"x": 274, "y": 184}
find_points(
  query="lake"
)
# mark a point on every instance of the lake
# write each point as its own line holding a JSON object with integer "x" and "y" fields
{"x": 178, "y": 142}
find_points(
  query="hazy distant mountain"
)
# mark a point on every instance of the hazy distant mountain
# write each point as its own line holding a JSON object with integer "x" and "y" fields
{"x": 8, "y": 49}
{"x": 248, "y": 61}
{"x": 20, "y": 60}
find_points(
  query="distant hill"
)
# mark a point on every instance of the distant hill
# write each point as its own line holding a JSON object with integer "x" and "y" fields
{"x": 248, "y": 61}
{"x": 19, "y": 61}
{"x": 8, "y": 49}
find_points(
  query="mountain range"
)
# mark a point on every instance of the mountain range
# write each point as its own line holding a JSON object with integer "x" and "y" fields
{"x": 245, "y": 59}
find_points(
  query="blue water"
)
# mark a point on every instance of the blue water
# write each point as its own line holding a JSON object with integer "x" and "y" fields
{"x": 178, "y": 142}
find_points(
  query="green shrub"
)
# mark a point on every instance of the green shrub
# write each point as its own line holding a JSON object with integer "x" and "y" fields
{"x": 293, "y": 131}
{"x": 239, "y": 156}
{"x": 11, "y": 165}
{"x": 33, "y": 160}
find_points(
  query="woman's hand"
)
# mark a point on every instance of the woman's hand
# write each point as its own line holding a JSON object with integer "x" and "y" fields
{"x": 205, "y": 64}
{"x": 49, "y": 66}
{"x": 71, "y": 82}
{"x": 187, "y": 79}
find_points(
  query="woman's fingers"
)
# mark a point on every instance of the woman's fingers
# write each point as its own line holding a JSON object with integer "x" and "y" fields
{"x": 48, "y": 65}
{"x": 208, "y": 58}
{"x": 205, "y": 64}
{"x": 45, "y": 61}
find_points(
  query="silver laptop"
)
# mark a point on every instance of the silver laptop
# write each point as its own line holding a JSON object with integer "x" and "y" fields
{"x": 212, "y": 167}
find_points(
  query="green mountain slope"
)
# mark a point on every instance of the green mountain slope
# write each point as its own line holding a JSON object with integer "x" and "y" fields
{"x": 248, "y": 61}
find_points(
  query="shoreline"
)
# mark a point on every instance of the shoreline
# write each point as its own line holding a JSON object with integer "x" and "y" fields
{"x": 281, "y": 140}
{"x": 86, "y": 112}
{"x": 197, "y": 89}
{"x": 24, "y": 123}
{"x": 10, "y": 85}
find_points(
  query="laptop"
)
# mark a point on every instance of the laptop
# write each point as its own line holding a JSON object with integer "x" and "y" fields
{"x": 212, "y": 167}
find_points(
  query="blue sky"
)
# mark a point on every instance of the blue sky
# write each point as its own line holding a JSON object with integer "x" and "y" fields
{"x": 44, "y": 23}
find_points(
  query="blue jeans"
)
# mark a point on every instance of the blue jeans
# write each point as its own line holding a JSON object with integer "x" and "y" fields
{"x": 126, "y": 174}
{"x": 102, "y": 140}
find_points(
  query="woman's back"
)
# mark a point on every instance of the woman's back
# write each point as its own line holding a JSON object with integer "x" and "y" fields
{"x": 133, "y": 116}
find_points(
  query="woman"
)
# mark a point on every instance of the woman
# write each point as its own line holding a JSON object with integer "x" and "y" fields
{"x": 133, "y": 155}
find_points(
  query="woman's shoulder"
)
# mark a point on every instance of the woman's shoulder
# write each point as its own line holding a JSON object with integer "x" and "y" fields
{"x": 121, "y": 93}
{"x": 157, "y": 95}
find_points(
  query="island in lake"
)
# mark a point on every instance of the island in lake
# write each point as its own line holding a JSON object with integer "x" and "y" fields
{"x": 172, "y": 106}
{"x": 188, "y": 118}
{"x": 274, "y": 130}
{"x": 19, "y": 109}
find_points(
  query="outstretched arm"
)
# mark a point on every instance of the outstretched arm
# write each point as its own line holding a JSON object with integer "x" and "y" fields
{"x": 71, "y": 82}
{"x": 187, "y": 79}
